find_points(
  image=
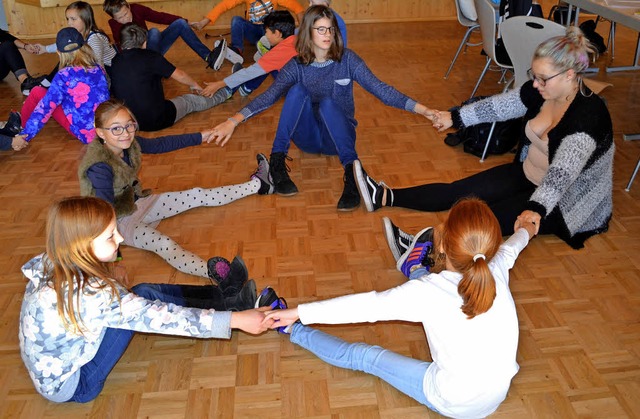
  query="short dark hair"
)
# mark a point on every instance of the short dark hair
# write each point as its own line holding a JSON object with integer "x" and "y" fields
{"x": 132, "y": 36}
{"x": 280, "y": 20}
{"x": 112, "y": 7}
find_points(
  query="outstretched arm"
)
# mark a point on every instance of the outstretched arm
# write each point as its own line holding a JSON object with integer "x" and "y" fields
{"x": 182, "y": 77}
{"x": 223, "y": 132}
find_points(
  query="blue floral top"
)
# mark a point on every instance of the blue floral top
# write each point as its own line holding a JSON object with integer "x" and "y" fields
{"x": 53, "y": 355}
{"x": 79, "y": 91}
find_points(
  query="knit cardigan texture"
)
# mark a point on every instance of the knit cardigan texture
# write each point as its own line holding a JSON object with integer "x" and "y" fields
{"x": 578, "y": 185}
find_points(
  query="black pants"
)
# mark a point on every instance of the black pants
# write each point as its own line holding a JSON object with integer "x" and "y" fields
{"x": 11, "y": 60}
{"x": 504, "y": 188}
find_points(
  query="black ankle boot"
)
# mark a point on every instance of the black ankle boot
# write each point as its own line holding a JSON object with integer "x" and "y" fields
{"x": 350, "y": 198}
{"x": 280, "y": 175}
{"x": 244, "y": 300}
{"x": 234, "y": 281}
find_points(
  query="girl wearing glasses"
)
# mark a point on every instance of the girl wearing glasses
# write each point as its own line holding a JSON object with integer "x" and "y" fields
{"x": 109, "y": 170}
{"x": 318, "y": 112}
{"x": 561, "y": 179}
{"x": 79, "y": 86}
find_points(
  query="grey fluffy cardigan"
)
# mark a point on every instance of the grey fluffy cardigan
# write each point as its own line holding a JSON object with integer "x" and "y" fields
{"x": 578, "y": 184}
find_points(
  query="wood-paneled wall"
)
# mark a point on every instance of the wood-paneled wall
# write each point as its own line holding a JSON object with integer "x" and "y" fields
{"x": 33, "y": 19}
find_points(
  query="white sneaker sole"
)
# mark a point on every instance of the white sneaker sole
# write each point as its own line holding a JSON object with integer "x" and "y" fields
{"x": 230, "y": 55}
{"x": 361, "y": 182}
{"x": 391, "y": 239}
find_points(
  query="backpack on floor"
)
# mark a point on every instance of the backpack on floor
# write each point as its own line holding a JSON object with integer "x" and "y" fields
{"x": 504, "y": 139}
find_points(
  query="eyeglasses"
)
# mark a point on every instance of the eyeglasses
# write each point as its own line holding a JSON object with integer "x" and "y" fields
{"x": 542, "y": 82}
{"x": 119, "y": 130}
{"x": 322, "y": 30}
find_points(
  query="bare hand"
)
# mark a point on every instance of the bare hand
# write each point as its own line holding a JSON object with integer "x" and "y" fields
{"x": 212, "y": 88}
{"x": 196, "y": 89}
{"x": 120, "y": 273}
{"x": 424, "y": 111}
{"x": 528, "y": 219}
{"x": 441, "y": 120}
{"x": 251, "y": 321}
{"x": 39, "y": 49}
{"x": 222, "y": 133}
{"x": 31, "y": 49}
{"x": 200, "y": 24}
{"x": 207, "y": 136}
{"x": 19, "y": 142}
{"x": 282, "y": 317}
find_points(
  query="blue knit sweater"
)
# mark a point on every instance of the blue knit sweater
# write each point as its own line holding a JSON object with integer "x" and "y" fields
{"x": 330, "y": 78}
{"x": 579, "y": 183}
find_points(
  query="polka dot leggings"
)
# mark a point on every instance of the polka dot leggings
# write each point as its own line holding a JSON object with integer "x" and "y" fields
{"x": 173, "y": 203}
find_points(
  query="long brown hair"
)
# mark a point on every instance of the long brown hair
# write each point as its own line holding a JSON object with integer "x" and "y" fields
{"x": 85, "y": 11}
{"x": 471, "y": 230}
{"x": 82, "y": 57}
{"x": 72, "y": 224}
{"x": 107, "y": 110}
{"x": 304, "y": 42}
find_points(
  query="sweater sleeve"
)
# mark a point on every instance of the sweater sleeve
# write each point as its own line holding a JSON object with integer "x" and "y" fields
{"x": 41, "y": 114}
{"x": 404, "y": 302}
{"x": 222, "y": 7}
{"x": 292, "y": 5}
{"x": 168, "y": 143}
{"x": 280, "y": 86}
{"x": 385, "y": 93}
{"x": 150, "y": 15}
{"x": 136, "y": 313}
{"x": 500, "y": 107}
{"x": 101, "y": 177}
{"x": 6, "y": 36}
{"x": 506, "y": 256}
{"x": 244, "y": 75}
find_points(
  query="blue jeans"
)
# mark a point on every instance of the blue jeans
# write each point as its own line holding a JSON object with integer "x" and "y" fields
{"x": 115, "y": 341}
{"x": 162, "y": 41}
{"x": 315, "y": 128}
{"x": 404, "y": 373}
{"x": 242, "y": 29}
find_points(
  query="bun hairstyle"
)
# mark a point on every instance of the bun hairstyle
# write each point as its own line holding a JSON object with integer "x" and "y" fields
{"x": 469, "y": 238}
{"x": 568, "y": 52}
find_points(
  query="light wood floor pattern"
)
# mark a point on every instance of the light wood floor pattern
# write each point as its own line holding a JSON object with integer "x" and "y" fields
{"x": 579, "y": 313}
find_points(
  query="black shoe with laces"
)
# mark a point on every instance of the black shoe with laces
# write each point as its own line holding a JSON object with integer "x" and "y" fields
{"x": 216, "y": 56}
{"x": 13, "y": 125}
{"x": 399, "y": 241}
{"x": 372, "y": 192}
{"x": 31, "y": 82}
{"x": 243, "y": 300}
{"x": 280, "y": 174}
{"x": 350, "y": 198}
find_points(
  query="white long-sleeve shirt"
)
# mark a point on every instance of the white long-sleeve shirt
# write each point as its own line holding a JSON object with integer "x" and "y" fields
{"x": 474, "y": 360}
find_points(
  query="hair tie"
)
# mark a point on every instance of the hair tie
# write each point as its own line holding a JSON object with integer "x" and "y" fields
{"x": 479, "y": 256}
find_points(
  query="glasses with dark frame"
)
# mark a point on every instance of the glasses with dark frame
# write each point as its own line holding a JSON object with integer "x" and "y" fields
{"x": 542, "y": 81}
{"x": 131, "y": 127}
{"x": 322, "y": 30}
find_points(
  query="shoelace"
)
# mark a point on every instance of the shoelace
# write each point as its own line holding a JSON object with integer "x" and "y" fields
{"x": 278, "y": 164}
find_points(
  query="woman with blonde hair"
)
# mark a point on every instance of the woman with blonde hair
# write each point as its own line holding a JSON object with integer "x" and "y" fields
{"x": 76, "y": 90}
{"x": 467, "y": 312}
{"x": 562, "y": 176}
{"x": 78, "y": 317}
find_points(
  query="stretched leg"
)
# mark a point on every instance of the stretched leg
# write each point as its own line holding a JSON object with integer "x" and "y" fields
{"x": 154, "y": 36}
{"x": 180, "y": 28}
{"x": 338, "y": 133}
{"x": 199, "y": 296}
{"x": 404, "y": 373}
{"x": 94, "y": 373}
{"x": 32, "y": 101}
{"x": 298, "y": 121}
{"x": 189, "y": 103}
{"x": 492, "y": 186}
{"x": 11, "y": 60}
{"x": 242, "y": 29}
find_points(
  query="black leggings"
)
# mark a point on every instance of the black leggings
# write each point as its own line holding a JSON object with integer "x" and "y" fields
{"x": 504, "y": 188}
{"x": 11, "y": 60}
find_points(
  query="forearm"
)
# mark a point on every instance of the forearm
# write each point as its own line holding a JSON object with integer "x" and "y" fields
{"x": 183, "y": 78}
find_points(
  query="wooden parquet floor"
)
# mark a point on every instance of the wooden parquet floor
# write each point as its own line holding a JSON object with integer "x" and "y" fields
{"x": 579, "y": 311}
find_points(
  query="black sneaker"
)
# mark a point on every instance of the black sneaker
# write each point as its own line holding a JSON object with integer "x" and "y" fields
{"x": 236, "y": 67}
{"x": 262, "y": 174}
{"x": 236, "y": 278}
{"x": 269, "y": 298}
{"x": 243, "y": 300}
{"x": 216, "y": 57}
{"x": 371, "y": 191}
{"x": 13, "y": 125}
{"x": 398, "y": 241}
{"x": 279, "y": 171}
{"x": 350, "y": 198}
{"x": 31, "y": 82}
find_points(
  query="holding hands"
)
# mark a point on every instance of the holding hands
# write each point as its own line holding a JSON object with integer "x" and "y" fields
{"x": 442, "y": 120}
{"x": 212, "y": 88}
{"x": 222, "y": 132}
{"x": 251, "y": 321}
{"x": 528, "y": 220}
{"x": 18, "y": 142}
{"x": 281, "y": 318}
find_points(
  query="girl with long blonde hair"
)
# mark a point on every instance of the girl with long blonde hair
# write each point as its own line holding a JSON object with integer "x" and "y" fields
{"x": 78, "y": 317}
